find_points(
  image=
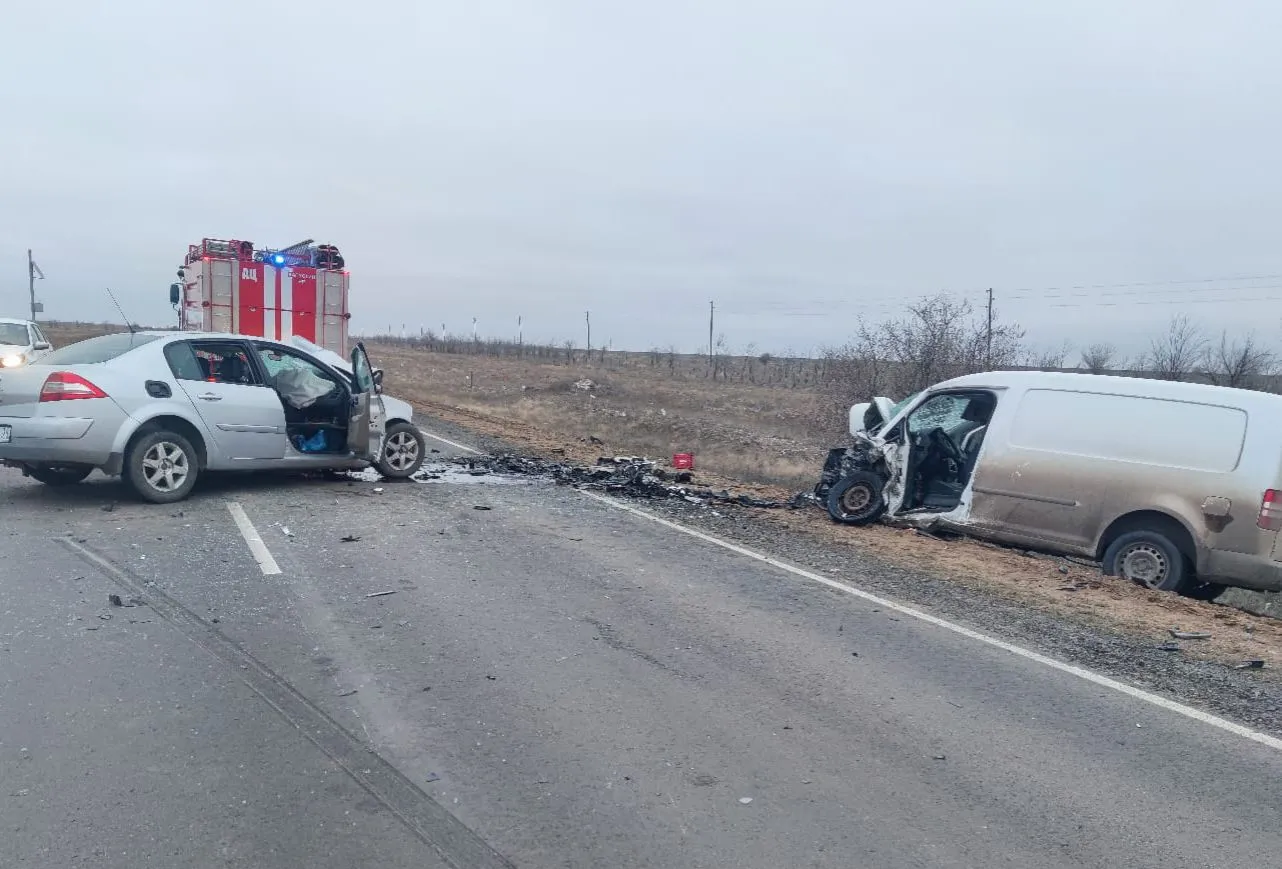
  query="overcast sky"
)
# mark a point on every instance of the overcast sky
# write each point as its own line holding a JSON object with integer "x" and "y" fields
{"x": 801, "y": 163}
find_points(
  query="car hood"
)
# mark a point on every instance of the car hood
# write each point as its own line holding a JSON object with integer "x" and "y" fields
{"x": 6, "y": 349}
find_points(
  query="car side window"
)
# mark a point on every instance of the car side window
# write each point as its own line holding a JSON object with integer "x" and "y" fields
{"x": 182, "y": 362}
{"x": 220, "y": 362}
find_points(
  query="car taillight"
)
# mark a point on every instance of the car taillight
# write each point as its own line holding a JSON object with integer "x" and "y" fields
{"x": 1270, "y": 518}
{"x": 65, "y": 386}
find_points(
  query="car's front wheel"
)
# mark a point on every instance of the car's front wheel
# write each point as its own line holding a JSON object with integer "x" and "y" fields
{"x": 857, "y": 499}
{"x": 58, "y": 475}
{"x": 162, "y": 467}
{"x": 403, "y": 451}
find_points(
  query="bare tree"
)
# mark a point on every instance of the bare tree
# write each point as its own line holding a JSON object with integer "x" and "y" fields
{"x": 941, "y": 337}
{"x": 1098, "y": 358}
{"x": 1175, "y": 355}
{"x": 1051, "y": 359}
{"x": 1239, "y": 362}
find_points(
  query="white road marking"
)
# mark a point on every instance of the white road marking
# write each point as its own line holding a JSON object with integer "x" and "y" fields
{"x": 466, "y": 449}
{"x": 1071, "y": 669}
{"x": 257, "y": 547}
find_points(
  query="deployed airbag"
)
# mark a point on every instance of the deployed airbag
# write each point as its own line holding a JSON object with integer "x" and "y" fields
{"x": 300, "y": 388}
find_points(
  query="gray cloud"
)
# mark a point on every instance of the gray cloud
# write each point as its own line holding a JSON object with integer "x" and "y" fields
{"x": 802, "y": 163}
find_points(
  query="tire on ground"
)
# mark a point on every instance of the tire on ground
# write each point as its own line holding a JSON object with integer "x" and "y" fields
{"x": 403, "y": 451}
{"x": 59, "y": 475}
{"x": 162, "y": 467}
{"x": 857, "y": 498}
{"x": 1149, "y": 558}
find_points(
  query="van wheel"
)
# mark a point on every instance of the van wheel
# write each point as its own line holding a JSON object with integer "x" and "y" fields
{"x": 162, "y": 467}
{"x": 1148, "y": 558}
{"x": 58, "y": 475}
{"x": 403, "y": 450}
{"x": 857, "y": 499}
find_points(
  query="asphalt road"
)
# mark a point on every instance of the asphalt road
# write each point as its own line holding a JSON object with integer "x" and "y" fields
{"x": 552, "y": 682}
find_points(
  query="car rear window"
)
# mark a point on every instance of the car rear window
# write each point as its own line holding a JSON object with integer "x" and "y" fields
{"x": 101, "y": 349}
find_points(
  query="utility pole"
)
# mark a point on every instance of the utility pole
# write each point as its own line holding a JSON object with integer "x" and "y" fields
{"x": 473, "y": 329}
{"x": 712, "y": 311}
{"x": 33, "y": 271}
{"x": 988, "y": 358}
{"x": 587, "y": 318}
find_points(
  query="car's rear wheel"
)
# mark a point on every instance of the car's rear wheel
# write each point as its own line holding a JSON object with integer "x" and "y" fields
{"x": 403, "y": 451}
{"x": 162, "y": 467}
{"x": 1149, "y": 558}
{"x": 59, "y": 475}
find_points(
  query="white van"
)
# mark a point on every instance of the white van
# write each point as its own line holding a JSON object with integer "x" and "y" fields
{"x": 1177, "y": 486}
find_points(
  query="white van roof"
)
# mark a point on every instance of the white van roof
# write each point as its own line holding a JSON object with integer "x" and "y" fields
{"x": 1140, "y": 386}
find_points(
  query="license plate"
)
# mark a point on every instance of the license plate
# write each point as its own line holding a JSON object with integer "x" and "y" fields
{"x": 6, "y": 434}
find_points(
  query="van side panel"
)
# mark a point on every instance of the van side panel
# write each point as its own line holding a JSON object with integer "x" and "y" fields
{"x": 1063, "y": 464}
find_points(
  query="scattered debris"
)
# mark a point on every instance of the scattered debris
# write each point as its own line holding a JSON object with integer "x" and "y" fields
{"x": 481, "y": 507}
{"x": 1069, "y": 588}
{"x": 491, "y": 676}
{"x": 1169, "y": 646}
{"x": 743, "y": 801}
{"x": 1189, "y": 635}
{"x": 632, "y": 476}
{"x": 376, "y": 626}
{"x": 1252, "y": 664}
{"x": 431, "y": 777}
{"x": 284, "y": 529}
{"x": 378, "y": 490}
{"x": 584, "y": 385}
{"x": 704, "y": 780}
{"x": 938, "y": 757}
{"x": 1063, "y": 568}
{"x": 380, "y": 593}
{"x": 108, "y": 508}
{"x": 350, "y": 538}
{"x": 114, "y": 600}
{"x": 106, "y": 617}
{"x": 348, "y": 693}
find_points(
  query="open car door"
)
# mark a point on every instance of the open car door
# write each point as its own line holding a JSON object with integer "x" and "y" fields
{"x": 366, "y": 425}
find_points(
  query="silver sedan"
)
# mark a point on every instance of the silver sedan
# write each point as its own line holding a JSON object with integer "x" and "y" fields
{"x": 160, "y": 408}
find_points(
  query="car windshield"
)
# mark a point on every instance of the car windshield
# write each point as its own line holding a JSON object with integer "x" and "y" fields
{"x": 898, "y": 406}
{"x": 101, "y": 349}
{"x": 15, "y": 334}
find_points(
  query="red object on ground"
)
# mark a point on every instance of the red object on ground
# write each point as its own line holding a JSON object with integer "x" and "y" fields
{"x": 683, "y": 461}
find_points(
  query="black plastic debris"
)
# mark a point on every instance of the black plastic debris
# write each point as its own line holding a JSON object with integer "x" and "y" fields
{"x": 631, "y": 476}
{"x": 114, "y": 600}
{"x": 1252, "y": 664}
{"x": 1189, "y": 635}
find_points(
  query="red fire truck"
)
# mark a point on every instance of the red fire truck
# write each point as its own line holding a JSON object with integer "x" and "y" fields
{"x": 232, "y": 286}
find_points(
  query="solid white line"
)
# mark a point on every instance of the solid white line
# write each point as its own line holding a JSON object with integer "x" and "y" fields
{"x": 1071, "y": 669}
{"x": 435, "y": 437}
{"x": 257, "y": 547}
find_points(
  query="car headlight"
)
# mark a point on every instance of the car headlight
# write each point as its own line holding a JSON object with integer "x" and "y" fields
{"x": 13, "y": 360}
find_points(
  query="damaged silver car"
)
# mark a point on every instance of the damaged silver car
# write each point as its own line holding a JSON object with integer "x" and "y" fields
{"x": 1177, "y": 486}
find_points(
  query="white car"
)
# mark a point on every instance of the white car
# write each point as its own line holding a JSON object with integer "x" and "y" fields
{"x": 161, "y": 408}
{"x": 21, "y": 343}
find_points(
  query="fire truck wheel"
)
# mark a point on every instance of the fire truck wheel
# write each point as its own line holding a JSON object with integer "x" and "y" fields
{"x": 403, "y": 451}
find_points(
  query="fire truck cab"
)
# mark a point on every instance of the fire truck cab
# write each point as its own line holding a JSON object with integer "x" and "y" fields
{"x": 232, "y": 286}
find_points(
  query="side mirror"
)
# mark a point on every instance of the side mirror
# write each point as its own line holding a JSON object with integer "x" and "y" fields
{"x": 378, "y": 380}
{"x": 175, "y": 294}
{"x": 42, "y": 345}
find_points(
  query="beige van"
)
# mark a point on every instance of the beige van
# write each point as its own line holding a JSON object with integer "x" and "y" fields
{"x": 1177, "y": 486}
